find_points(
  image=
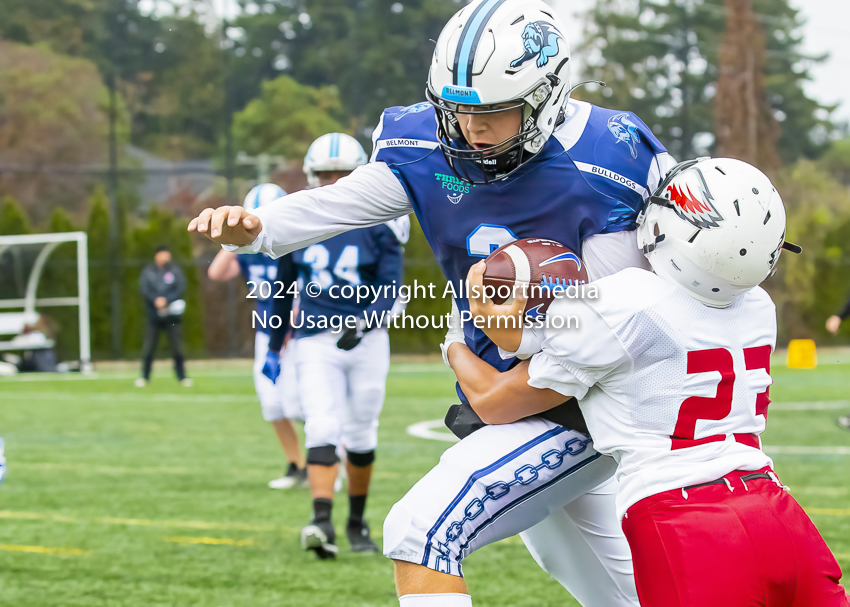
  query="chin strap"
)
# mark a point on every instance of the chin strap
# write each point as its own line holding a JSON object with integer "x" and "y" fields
{"x": 649, "y": 248}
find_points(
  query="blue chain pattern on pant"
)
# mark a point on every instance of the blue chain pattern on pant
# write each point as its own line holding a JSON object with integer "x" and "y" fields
{"x": 525, "y": 475}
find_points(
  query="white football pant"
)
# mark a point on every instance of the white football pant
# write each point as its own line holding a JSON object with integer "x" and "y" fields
{"x": 277, "y": 400}
{"x": 342, "y": 393}
{"x": 533, "y": 477}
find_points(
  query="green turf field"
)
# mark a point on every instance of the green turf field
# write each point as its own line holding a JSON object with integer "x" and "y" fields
{"x": 157, "y": 496}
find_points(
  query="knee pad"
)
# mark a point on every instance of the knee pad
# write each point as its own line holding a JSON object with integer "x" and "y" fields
{"x": 361, "y": 460}
{"x": 322, "y": 456}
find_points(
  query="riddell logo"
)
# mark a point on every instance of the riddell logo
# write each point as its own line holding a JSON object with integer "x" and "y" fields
{"x": 699, "y": 213}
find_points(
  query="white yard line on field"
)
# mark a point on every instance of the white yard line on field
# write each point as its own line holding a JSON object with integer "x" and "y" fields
{"x": 809, "y": 405}
{"x": 164, "y": 376}
{"x": 427, "y": 430}
{"x": 141, "y": 395}
{"x": 420, "y": 368}
{"x": 47, "y": 377}
{"x": 805, "y": 450}
{"x": 112, "y": 375}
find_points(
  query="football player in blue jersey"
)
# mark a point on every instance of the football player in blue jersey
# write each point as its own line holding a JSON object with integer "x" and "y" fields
{"x": 261, "y": 272}
{"x": 340, "y": 354}
{"x": 499, "y": 152}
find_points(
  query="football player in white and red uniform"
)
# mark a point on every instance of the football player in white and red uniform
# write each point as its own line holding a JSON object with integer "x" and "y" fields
{"x": 671, "y": 369}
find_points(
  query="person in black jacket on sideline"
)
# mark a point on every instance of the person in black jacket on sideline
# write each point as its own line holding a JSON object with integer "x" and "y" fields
{"x": 162, "y": 284}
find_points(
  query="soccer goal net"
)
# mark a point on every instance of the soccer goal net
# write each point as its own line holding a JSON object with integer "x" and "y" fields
{"x": 23, "y": 297}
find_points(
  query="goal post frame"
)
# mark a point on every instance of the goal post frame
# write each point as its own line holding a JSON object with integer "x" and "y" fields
{"x": 30, "y": 301}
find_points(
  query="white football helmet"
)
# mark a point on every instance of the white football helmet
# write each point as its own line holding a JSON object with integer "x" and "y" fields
{"x": 333, "y": 152}
{"x": 261, "y": 195}
{"x": 715, "y": 227}
{"x": 499, "y": 52}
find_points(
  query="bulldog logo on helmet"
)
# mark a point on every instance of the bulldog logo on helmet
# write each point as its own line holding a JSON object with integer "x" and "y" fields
{"x": 412, "y": 109}
{"x": 540, "y": 40}
{"x": 696, "y": 210}
{"x": 625, "y": 131}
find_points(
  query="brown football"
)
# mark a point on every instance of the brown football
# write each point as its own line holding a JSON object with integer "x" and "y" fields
{"x": 546, "y": 266}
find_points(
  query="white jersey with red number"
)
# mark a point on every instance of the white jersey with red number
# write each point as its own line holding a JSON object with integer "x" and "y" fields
{"x": 675, "y": 390}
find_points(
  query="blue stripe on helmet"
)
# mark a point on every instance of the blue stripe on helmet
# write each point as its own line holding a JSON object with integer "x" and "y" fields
{"x": 465, "y": 56}
{"x": 334, "y": 145}
{"x": 257, "y": 191}
{"x": 463, "y": 34}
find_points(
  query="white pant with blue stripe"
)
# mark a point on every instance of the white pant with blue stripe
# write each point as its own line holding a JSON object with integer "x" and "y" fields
{"x": 278, "y": 400}
{"x": 532, "y": 477}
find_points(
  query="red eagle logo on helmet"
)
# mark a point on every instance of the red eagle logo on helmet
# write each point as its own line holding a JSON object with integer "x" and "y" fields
{"x": 697, "y": 210}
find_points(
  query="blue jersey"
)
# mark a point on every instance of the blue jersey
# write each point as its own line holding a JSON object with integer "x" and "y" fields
{"x": 369, "y": 256}
{"x": 259, "y": 268}
{"x": 591, "y": 177}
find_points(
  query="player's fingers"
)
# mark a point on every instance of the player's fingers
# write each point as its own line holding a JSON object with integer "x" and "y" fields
{"x": 520, "y": 299}
{"x": 249, "y": 221}
{"x": 475, "y": 279}
{"x": 234, "y": 215}
{"x": 217, "y": 221}
{"x": 202, "y": 221}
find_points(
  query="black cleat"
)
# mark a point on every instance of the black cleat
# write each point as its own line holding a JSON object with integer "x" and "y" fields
{"x": 320, "y": 536}
{"x": 358, "y": 537}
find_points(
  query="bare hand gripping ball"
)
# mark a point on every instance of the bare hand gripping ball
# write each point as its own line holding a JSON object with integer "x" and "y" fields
{"x": 545, "y": 267}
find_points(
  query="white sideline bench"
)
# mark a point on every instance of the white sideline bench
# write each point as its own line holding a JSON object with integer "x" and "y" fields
{"x": 12, "y": 323}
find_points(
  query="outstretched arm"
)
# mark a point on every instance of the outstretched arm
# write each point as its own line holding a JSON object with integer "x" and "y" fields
{"x": 371, "y": 195}
{"x": 223, "y": 267}
{"x": 498, "y": 398}
{"x": 834, "y": 321}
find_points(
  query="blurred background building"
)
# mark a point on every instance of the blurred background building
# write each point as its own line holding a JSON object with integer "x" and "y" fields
{"x": 122, "y": 118}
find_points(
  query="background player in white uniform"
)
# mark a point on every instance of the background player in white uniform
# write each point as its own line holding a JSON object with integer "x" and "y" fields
{"x": 511, "y": 159}
{"x": 342, "y": 375}
{"x": 277, "y": 408}
{"x": 672, "y": 371}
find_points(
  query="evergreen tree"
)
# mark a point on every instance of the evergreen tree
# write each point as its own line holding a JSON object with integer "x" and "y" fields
{"x": 660, "y": 58}
{"x": 59, "y": 279}
{"x": 13, "y": 276}
{"x": 13, "y": 219}
{"x": 100, "y": 290}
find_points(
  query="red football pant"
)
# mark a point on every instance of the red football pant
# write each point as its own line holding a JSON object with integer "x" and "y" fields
{"x": 750, "y": 547}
